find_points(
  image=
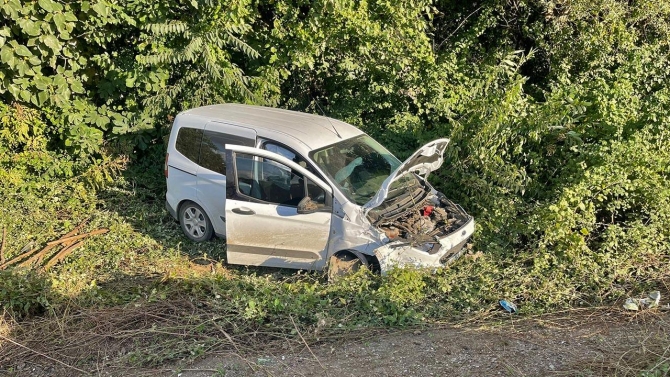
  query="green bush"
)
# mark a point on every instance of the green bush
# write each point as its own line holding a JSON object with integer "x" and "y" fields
{"x": 557, "y": 115}
{"x": 24, "y": 293}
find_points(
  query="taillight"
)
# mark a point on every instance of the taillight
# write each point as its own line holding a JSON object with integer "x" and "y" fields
{"x": 165, "y": 168}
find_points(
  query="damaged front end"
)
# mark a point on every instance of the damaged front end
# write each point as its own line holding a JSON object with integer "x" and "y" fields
{"x": 424, "y": 230}
{"x": 422, "y": 227}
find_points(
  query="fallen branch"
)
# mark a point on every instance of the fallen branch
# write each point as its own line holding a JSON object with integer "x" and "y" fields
{"x": 16, "y": 259}
{"x": 74, "y": 238}
{"x": 66, "y": 240}
{"x": 37, "y": 258}
{"x": 62, "y": 254}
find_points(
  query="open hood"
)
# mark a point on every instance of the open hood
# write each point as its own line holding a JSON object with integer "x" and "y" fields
{"x": 425, "y": 160}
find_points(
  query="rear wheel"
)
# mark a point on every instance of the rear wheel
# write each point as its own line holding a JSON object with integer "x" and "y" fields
{"x": 343, "y": 264}
{"x": 195, "y": 223}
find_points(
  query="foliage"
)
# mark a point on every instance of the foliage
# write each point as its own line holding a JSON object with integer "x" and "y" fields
{"x": 24, "y": 293}
{"x": 557, "y": 114}
{"x": 103, "y": 69}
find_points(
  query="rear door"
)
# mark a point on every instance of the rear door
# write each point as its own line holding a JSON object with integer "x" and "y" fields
{"x": 263, "y": 227}
{"x": 211, "y": 187}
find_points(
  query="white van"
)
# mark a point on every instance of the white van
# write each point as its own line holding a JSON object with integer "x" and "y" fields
{"x": 296, "y": 190}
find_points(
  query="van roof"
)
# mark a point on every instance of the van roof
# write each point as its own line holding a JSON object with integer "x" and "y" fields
{"x": 315, "y": 131}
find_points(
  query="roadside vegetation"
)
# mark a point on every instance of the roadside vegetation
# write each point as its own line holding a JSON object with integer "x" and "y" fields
{"x": 558, "y": 114}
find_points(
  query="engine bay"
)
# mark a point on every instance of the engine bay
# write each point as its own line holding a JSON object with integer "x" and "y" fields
{"x": 418, "y": 217}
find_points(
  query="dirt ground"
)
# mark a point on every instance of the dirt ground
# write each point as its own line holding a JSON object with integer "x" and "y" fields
{"x": 589, "y": 342}
{"x": 600, "y": 343}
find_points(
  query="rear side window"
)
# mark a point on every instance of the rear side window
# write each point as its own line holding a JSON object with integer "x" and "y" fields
{"x": 207, "y": 148}
{"x": 213, "y": 152}
{"x": 188, "y": 143}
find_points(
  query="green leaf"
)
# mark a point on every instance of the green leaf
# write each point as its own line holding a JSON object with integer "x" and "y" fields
{"x": 21, "y": 66}
{"x": 69, "y": 16}
{"x": 22, "y": 50}
{"x": 59, "y": 20}
{"x": 52, "y": 42}
{"x": 47, "y": 5}
{"x": 42, "y": 82}
{"x": 7, "y": 55}
{"x": 25, "y": 95}
{"x": 102, "y": 121}
{"x": 59, "y": 81}
{"x": 42, "y": 98}
{"x": 29, "y": 27}
{"x": 77, "y": 87}
{"x": 14, "y": 90}
{"x": 101, "y": 9}
{"x": 12, "y": 7}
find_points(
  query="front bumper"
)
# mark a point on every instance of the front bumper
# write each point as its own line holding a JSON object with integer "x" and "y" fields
{"x": 402, "y": 254}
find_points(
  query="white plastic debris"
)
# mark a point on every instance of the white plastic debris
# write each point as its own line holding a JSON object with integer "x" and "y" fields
{"x": 635, "y": 304}
{"x": 631, "y": 304}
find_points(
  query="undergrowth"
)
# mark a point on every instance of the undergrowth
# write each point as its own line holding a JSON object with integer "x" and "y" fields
{"x": 160, "y": 297}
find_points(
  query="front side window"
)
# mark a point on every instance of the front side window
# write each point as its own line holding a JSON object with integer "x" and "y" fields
{"x": 269, "y": 181}
{"x": 359, "y": 166}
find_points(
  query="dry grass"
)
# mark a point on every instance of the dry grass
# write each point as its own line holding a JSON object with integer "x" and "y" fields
{"x": 141, "y": 338}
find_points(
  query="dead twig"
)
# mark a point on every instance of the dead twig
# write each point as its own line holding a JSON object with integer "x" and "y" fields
{"x": 74, "y": 238}
{"x": 307, "y": 345}
{"x": 62, "y": 254}
{"x": 2, "y": 247}
{"x": 230, "y": 339}
{"x": 41, "y": 354}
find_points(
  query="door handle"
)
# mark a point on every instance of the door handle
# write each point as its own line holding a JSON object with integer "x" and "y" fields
{"x": 244, "y": 211}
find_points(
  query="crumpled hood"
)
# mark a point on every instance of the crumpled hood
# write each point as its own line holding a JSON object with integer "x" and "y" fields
{"x": 425, "y": 160}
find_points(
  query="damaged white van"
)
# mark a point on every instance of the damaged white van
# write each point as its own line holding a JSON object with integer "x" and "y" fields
{"x": 296, "y": 190}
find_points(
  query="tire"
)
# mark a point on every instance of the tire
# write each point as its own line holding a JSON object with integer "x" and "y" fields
{"x": 343, "y": 264}
{"x": 195, "y": 223}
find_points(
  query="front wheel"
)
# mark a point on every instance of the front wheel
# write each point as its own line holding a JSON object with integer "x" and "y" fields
{"x": 195, "y": 223}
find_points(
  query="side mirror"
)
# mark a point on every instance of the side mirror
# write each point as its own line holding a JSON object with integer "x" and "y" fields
{"x": 306, "y": 206}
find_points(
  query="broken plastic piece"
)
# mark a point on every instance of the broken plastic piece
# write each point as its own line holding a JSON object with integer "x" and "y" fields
{"x": 427, "y": 210}
{"x": 631, "y": 304}
{"x": 508, "y": 306}
{"x": 651, "y": 301}
{"x": 655, "y": 298}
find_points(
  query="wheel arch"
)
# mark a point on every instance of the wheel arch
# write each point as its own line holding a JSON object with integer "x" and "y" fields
{"x": 369, "y": 261}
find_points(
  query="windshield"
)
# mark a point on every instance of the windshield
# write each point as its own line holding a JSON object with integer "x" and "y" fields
{"x": 359, "y": 166}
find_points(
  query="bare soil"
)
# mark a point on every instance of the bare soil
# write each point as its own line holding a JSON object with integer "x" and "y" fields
{"x": 575, "y": 343}
{"x": 586, "y": 342}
